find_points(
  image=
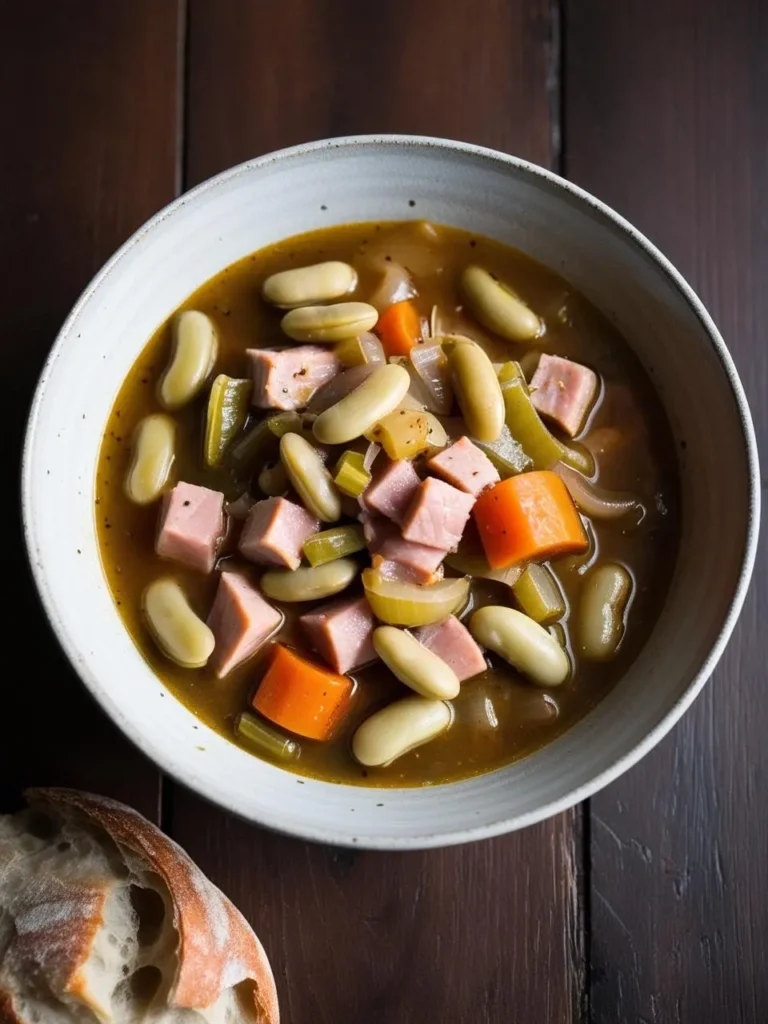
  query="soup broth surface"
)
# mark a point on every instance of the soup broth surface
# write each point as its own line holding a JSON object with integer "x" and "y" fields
{"x": 498, "y": 716}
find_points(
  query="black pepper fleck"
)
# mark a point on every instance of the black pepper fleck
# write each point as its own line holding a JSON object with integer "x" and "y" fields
{"x": 411, "y": 202}
{"x": 185, "y": 504}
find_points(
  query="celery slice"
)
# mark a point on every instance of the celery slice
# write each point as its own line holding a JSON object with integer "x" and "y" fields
{"x": 351, "y": 475}
{"x": 264, "y": 739}
{"x": 538, "y": 594}
{"x": 337, "y": 542}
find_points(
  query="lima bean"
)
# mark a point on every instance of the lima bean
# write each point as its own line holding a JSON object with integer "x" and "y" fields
{"x": 398, "y": 728}
{"x": 478, "y": 391}
{"x": 304, "y": 286}
{"x": 414, "y": 664}
{"x": 355, "y": 414}
{"x": 522, "y": 642}
{"x": 497, "y": 307}
{"x": 195, "y": 346}
{"x": 329, "y": 323}
{"x": 309, "y": 584}
{"x": 311, "y": 480}
{"x": 602, "y": 610}
{"x": 179, "y": 633}
{"x": 153, "y": 455}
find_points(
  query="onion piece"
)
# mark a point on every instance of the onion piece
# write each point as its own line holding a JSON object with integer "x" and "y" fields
{"x": 240, "y": 507}
{"x": 477, "y": 565}
{"x": 395, "y": 284}
{"x": 408, "y": 604}
{"x": 339, "y": 387}
{"x": 596, "y": 502}
{"x": 370, "y": 455}
{"x": 373, "y": 350}
{"x": 431, "y": 365}
{"x": 437, "y": 435}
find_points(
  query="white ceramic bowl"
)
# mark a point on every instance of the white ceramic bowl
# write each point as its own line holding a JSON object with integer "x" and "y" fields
{"x": 371, "y": 178}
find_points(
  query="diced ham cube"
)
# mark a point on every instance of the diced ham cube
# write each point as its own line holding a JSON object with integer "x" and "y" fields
{"x": 191, "y": 526}
{"x": 563, "y": 391}
{"x": 465, "y": 466}
{"x": 275, "y": 531}
{"x": 241, "y": 621}
{"x": 392, "y": 489}
{"x": 437, "y": 515}
{"x": 376, "y": 530}
{"x": 391, "y": 570}
{"x": 342, "y": 632}
{"x": 452, "y": 641}
{"x": 287, "y": 379}
{"x": 419, "y": 561}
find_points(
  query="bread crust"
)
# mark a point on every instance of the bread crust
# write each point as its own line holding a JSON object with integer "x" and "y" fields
{"x": 217, "y": 947}
{"x": 7, "y": 1013}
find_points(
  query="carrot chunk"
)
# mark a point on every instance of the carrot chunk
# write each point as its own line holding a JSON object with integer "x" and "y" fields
{"x": 302, "y": 696}
{"x": 528, "y": 517}
{"x": 399, "y": 328}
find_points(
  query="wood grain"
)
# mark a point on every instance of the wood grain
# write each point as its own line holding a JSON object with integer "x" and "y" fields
{"x": 273, "y": 74}
{"x": 667, "y": 121}
{"x": 489, "y": 933}
{"x": 88, "y": 108}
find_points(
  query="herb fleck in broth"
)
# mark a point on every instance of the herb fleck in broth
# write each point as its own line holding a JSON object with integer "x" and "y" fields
{"x": 499, "y": 717}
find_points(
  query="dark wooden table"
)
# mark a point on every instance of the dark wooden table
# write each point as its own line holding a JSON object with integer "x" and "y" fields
{"x": 650, "y": 902}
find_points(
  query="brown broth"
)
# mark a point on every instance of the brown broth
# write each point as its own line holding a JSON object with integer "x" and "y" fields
{"x": 635, "y": 452}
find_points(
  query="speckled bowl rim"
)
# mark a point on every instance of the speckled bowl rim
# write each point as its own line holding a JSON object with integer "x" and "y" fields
{"x": 553, "y": 182}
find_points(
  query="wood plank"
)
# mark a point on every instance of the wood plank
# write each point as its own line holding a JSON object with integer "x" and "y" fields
{"x": 489, "y": 932}
{"x": 667, "y": 121}
{"x": 88, "y": 104}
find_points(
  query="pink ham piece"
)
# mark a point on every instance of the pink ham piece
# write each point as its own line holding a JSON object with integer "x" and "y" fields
{"x": 392, "y": 489}
{"x": 391, "y": 570}
{"x": 275, "y": 531}
{"x": 342, "y": 632}
{"x": 241, "y": 621}
{"x": 287, "y": 379}
{"x": 419, "y": 562}
{"x": 191, "y": 526}
{"x": 437, "y": 515}
{"x": 376, "y": 530}
{"x": 463, "y": 465}
{"x": 563, "y": 391}
{"x": 452, "y": 641}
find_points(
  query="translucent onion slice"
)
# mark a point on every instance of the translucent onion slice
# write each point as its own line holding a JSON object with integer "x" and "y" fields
{"x": 395, "y": 284}
{"x": 408, "y": 604}
{"x": 431, "y": 365}
{"x": 339, "y": 387}
{"x": 595, "y": 501}
{"x": 372, "y": 349}
{"x": 476, "y": 565}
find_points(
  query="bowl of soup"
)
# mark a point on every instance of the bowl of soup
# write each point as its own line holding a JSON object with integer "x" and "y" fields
{"x": 391, "y": 492}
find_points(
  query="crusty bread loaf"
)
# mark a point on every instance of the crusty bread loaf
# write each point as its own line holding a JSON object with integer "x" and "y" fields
{"x": 104, "y": 918}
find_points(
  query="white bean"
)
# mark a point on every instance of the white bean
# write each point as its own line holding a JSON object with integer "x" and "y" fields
{"x": 414, "y": 664}
{"x": 522, "y": 642}
{"x": 329, "y": 323}
{"x": 398, "y": 728}
{"x": 195, "y": 346}
{"x": 179, "y": 633}
{"x": 497, "y": 307}
{"x": 602, "y": 608}
{"x": 478, "y": 391}
{"x": 355, "y": 414}
{"x": 305, "y": 286}
{"x": 309, "y": 584}
{"x": 311, "y": 480}
{"x": 153, "y": 455}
